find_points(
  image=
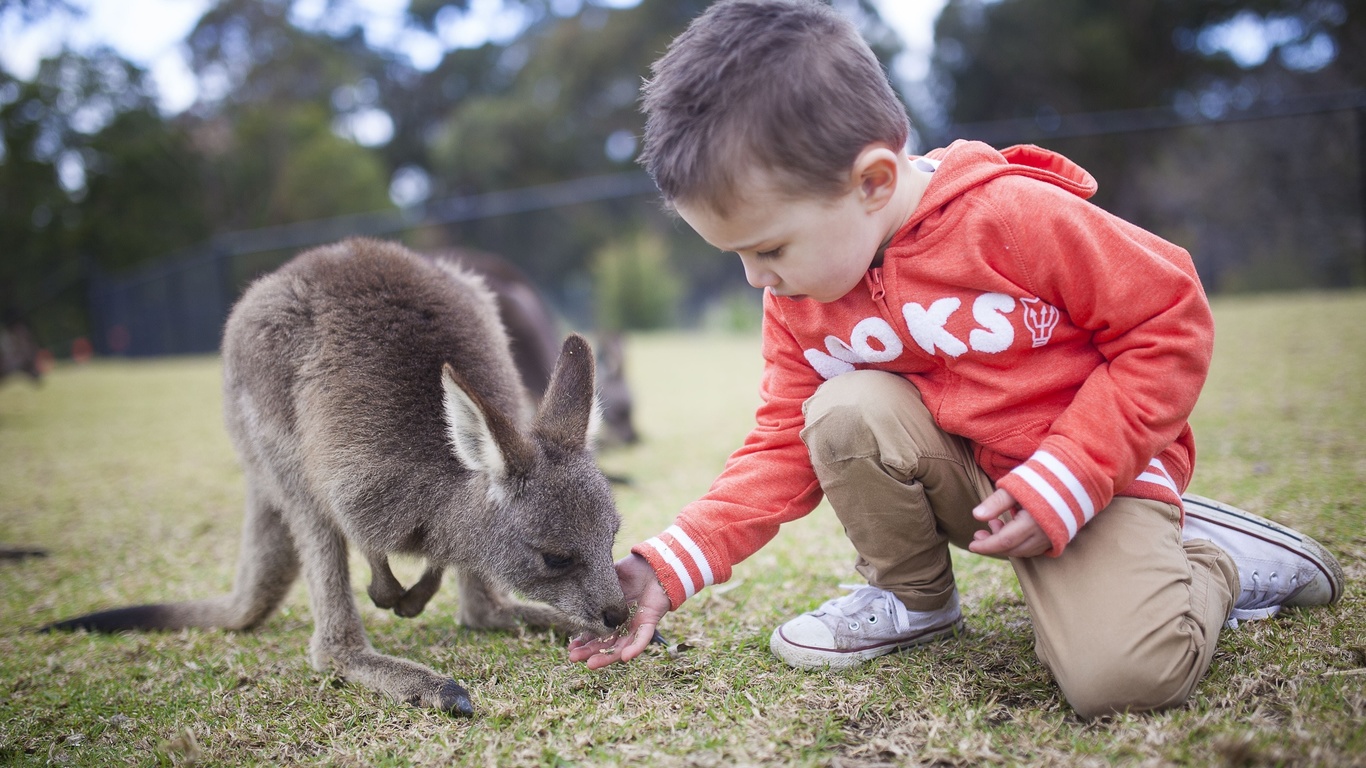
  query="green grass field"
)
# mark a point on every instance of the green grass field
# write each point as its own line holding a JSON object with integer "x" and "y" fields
{"x": 123, "y": 471}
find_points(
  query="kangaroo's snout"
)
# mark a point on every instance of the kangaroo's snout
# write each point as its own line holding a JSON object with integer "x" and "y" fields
{"x": 614, "y": 616}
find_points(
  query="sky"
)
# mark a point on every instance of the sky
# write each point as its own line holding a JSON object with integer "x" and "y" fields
{"x": 149, "y": 32}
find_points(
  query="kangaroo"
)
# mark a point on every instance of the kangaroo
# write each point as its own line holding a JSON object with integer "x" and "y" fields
{"x": 534, "y": 333}
{"x": 18, "y": 350}
{"x": 372, "y": 399}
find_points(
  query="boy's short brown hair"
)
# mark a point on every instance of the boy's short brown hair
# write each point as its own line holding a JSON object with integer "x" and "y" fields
{"x": 784, "y": 86}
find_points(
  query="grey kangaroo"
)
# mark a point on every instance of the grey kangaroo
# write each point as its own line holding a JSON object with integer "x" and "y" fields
{"x": 534, "y": 333}
{"x": 372, "y": 399}
{"x": 18, "y": 350}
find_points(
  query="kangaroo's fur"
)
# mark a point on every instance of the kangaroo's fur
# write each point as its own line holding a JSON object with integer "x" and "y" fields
{"x": 372, "y": 398}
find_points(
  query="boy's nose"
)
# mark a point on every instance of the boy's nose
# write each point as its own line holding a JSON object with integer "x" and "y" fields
{"x": 759, "y": 277}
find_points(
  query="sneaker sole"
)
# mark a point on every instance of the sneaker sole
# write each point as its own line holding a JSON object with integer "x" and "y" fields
{"x": 1273, "y": 533}
{"x": 808, "y": 657}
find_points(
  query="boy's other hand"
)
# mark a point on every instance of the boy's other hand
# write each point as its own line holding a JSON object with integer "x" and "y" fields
{"x": 1014, "y": 533}
{"x": 641, "y": 587}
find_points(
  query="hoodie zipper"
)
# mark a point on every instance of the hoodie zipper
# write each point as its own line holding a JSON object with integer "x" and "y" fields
{"x": 875, "y": 286}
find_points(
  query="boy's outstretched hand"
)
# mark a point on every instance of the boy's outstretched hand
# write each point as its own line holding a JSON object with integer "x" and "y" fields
{"x": 1018, "y": 535}
{"x": 641, "y": 589}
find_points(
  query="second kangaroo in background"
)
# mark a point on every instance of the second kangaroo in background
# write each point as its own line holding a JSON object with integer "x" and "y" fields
{"x": 534, "y": 332}
{"x": 372, "y": 398}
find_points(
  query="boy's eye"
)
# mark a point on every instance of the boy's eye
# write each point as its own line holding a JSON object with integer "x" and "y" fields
{"x": 772, "y": 254}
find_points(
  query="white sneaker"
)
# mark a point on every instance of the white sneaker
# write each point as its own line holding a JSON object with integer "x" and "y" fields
{"x": 1277, "y": 566}
{"x": 865, "y": 624}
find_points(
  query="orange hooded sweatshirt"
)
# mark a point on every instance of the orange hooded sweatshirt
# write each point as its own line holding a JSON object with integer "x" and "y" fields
{"x": 1066, "y": 344}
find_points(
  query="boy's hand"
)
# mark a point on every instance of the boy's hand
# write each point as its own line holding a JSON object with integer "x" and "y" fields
{"x": 641, "y": 588}
{"x": 1014, "y": 533}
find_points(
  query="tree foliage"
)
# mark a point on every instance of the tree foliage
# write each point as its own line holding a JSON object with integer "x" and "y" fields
{"x": 92, "y": 177}
{"x": 1016, "y": 58}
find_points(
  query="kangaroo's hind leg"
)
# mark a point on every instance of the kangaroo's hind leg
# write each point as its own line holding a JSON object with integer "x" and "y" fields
{"x": 339, "y": 642}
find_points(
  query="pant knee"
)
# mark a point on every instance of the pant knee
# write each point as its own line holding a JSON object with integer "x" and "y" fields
{"x": 841, "y": 414}
{"x": 1121, "y": 686}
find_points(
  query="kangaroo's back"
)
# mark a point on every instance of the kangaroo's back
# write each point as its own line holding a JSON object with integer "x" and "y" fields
{"x": 331, "y": 371}
{"x": 359, "y": 331}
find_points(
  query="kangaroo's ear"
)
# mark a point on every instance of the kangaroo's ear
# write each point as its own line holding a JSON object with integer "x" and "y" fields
{"x": 481, "y": 437}
{"x": 569, "y": 413}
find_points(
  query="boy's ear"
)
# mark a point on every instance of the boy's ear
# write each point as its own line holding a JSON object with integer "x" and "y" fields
{"x": 876, "y": 173}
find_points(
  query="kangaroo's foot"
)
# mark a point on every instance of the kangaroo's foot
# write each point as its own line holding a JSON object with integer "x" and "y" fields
{"x": 399, "y": 679}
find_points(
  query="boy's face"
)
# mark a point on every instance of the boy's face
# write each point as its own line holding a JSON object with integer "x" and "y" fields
{"x": 816, "y": 248}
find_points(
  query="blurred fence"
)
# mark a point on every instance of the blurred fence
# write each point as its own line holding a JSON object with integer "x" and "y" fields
{"x": 1271, "y": 197}
{"x": 178, "y": 305}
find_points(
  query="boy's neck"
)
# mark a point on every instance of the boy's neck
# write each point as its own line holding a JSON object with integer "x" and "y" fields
{"x": 910, "y": 189}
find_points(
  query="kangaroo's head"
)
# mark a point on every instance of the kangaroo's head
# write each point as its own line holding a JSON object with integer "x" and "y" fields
{"x": 551, "y": 517}
{"x": 614, "y": 394}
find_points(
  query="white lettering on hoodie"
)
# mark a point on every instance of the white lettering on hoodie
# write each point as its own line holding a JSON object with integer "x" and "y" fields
{"x": 873, "y": 340}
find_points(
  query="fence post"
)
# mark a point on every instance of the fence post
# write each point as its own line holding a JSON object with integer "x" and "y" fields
{"x": 97, "y": 297}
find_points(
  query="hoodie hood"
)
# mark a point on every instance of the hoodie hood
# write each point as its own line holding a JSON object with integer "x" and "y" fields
{"x": 964, "y": 165}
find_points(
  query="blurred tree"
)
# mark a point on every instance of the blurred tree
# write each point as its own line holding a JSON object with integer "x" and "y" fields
{"x": 32, "y": 10}
{"x": 636, "y": 287}
{"x": 90, "y": 176}
{"x": 558, "y": 103}
{"x": 248, "y": 53}
{"x": 277, "y": 164}
{"x": 273, "y": 121}
{"x": 1041, "y": 58}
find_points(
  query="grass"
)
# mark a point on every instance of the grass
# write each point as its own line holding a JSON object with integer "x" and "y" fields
{"x": 122, "y": 470}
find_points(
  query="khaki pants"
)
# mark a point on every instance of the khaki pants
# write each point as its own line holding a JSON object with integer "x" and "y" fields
{"x": 1125, "y": 619}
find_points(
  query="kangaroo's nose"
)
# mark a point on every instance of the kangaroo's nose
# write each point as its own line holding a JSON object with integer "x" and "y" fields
{"x": 615, "y": 616}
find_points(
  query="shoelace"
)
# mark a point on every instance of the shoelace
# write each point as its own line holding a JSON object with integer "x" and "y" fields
{"x": 853, "y": 606}
{"x": 1265, "y": 595}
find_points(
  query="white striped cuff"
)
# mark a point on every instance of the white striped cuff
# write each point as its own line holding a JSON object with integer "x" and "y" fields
{"x": 1157, "y": 474}
{"x": 683, "y": 555}
{"x": 1060, "y": 488}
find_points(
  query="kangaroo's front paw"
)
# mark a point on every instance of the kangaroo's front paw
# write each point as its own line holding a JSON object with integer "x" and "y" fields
{"x": 410, "y": 605}
{"x": 450, "y": 697}
{"x": 415, "y": 598}
{"x": 383, "y": 598}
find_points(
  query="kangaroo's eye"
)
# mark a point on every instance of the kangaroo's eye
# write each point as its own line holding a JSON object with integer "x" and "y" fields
{"x": 556, "y": 562}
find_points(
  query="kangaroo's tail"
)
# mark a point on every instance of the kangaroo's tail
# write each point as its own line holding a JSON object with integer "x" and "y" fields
{"x": 225, "y": 612}
{"x": 266, "y": 567}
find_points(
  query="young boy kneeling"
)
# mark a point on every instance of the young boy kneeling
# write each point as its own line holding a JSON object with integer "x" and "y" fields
{"x": 959, "y": 349}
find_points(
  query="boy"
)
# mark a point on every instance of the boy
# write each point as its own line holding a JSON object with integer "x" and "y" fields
{"x": 958, "y": 349}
